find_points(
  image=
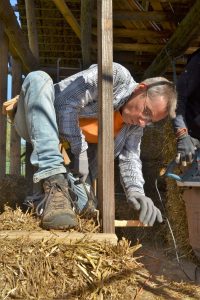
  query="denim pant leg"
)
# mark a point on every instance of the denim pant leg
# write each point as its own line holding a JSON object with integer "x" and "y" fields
{"x": 35, "y": 121}
{"x": 81, "y": 196}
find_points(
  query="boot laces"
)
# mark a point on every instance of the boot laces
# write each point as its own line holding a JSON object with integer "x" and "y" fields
{"x": 56, "y": 202}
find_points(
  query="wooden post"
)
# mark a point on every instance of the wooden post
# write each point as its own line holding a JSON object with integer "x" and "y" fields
{"x": 3, "y": 97}
{"x": 33, "y": 44}
{"x": 32, "y": 29}
{"x": 86, "y": 31}
{"x": 15, "y": 143}
{"x": 106, "y": 139}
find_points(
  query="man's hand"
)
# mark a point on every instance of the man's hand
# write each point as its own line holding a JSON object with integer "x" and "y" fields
{"x": 81, "y": 166}
{"x": 186, "y": 146}
{"x": 148, "y": 211}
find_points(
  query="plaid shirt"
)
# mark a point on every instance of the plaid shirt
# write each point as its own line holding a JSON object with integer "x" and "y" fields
{"x": 77, "y": 96}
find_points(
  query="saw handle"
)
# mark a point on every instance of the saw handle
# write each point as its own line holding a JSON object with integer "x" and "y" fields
{"x": 169, "y": 172}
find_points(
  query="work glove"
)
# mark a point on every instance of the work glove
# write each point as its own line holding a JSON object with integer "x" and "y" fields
{"x": 81, "y": 166}
{"x": 186, "y": 146}
{"x": 148, "y": 211}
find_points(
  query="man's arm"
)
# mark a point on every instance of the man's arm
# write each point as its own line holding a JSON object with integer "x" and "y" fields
{"x": 133, "y": 181}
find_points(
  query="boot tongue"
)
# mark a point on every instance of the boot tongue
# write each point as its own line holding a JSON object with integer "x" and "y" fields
{"x": 57, "y": 179}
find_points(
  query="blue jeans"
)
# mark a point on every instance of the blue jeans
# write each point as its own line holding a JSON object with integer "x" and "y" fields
{"x": 35, "y": 121}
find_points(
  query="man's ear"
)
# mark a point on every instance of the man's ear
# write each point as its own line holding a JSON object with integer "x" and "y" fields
{"x": 141, "y": 88}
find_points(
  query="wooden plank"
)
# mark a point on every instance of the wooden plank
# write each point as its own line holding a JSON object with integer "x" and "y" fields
{"x": 178, "y": 43}
{"x": 105, "y": 139}
{"x": 59, "y": 236}
{"x": 15, "y": 140}
{"x": 69, "y": 17}
{"x": 33, "y": 44}
{"x": 32, "y": 29}
{"x": 3, "y": 97}
{"x": 16, "y": 37}
{"x": 140, "y": 33}
{"x": 156, "y": 16}
{"x": 151, "y": 48}
{"x": 129, "y": 223}
{"x": 86, "y": 31}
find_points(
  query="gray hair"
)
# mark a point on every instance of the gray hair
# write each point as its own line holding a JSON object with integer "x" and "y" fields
{"x": 162, "y": 87}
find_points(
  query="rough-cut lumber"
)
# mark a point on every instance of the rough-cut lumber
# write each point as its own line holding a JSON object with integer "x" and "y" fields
{"x": 59, "y": 236}
{"x": 15, "y": 140}
{"x": 140, "y": 33}
{"x": 32, "y": 29}
{"x": 178, "y": 43}
{"x": 69, "y": 17}
{"x": 151, "y": 48}
{"x": 129, "y": 223}
{"x": 156, "y": 16}
{"x": 106, "y": 139}
{"x": 16, "y": 37}
{"x": 3, "y": 96}
{"x": 86, "y": 31}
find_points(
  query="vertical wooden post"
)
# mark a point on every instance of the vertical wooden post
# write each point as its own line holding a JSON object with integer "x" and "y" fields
{"x": 15, "y": 143}
{"x": 32, "y": 29}
{"x": 3, "y": 96}
{"x": 86, "y": 31}
{"x": 105, "y": 92}
{"x": 33, "y": 43}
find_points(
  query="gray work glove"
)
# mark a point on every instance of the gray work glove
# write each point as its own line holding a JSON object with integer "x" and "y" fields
{"x": 186, "y": 146}
{"x": 81, "y": 166}
{"x": 148, "y": 211}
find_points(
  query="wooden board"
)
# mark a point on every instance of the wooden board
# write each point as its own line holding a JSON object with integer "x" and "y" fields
{"x": 60, "y": 236}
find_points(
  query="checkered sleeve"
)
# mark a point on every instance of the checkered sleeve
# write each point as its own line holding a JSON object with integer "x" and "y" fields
{"x": 130, "y": 164}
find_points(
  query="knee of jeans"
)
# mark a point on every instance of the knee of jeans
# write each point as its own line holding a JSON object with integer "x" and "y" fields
{"x": 36, "y": 75}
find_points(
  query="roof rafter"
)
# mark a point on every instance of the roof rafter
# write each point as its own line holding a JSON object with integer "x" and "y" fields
{"x": 178, "y": 43}
{"x": 69, "y": 17}
{"x": 16, "y": 36}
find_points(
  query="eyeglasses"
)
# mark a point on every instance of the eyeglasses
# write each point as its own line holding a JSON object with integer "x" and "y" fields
{"x": 147, "y": 113}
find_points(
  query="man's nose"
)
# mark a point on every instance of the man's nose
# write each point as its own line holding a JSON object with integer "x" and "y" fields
{"x": 142, "y": 122}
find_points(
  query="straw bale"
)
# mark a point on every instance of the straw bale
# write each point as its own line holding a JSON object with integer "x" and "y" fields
{"x": 82, "y": 270}
{"x": 175, "y": 205}
{"x": 13, "y": 190}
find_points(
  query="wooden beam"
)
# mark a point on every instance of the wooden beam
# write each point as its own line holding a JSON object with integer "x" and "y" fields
{"x": 152, "y": 48}
{"x": 156, "y": 16}
{"x": 178, "y": 43}
{"x": 58, "y": 236}
{"x": 86, "y": 31}
{"x": 32, "y": 29}
{"x": 69, "y": 17}
{"x": 3, "y": 97}
{"x": 129, "y": 223}
{"x": 106, "y": 138}
{"x": 16, "y": 37}
{"x": 140, "y": 33}
{"x": 15, "y": 140}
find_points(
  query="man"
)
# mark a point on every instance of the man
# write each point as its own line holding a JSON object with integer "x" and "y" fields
{"x": 187, "y": 121}
{"x": 49, "y": 113}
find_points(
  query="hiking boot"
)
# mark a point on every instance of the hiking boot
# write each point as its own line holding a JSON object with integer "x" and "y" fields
{"x": 58, "y": 212}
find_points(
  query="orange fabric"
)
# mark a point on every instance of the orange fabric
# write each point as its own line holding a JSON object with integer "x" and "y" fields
{"x": 89, "y": 127}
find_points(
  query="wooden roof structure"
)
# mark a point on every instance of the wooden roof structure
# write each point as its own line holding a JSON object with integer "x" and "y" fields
{"x": 150, "y": 37}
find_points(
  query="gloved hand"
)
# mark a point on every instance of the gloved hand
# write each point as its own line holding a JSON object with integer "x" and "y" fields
{"x": 81, "y": 166}
{"x": 186, "y": 146}
{"x": 148, "y": 211}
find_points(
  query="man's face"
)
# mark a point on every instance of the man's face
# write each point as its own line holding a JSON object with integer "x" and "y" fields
{"x": 141, "y": 110}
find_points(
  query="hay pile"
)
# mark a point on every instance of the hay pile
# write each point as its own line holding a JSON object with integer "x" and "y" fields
{"x": 175, "y": 205}
{"x": 50, "y": 270}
